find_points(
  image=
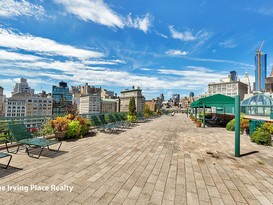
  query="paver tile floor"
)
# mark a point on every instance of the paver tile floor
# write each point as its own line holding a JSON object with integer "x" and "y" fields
{"x": 165, "y": 161}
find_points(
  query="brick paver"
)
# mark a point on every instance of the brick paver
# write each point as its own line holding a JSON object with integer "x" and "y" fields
{"x": 163, "y": 161}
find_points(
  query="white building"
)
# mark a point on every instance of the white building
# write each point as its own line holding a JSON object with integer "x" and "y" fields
{"x": 125, "y": 97}
{"x": 23, "y": 104}
{"x": 90, "y": 104}
{"x": 15, "y": 107}
{"x": 228, "y": 87}
{"x": 22, "y": 87}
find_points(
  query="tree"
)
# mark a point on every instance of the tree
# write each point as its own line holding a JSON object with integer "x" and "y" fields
{"x": 132, "y": 106}
{"x": 146, "y": 110}
{"x": 155, "y": 108}
{"x": 72, "y": 109}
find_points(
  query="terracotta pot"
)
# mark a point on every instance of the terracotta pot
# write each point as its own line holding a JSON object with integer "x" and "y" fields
{"x": 60, "y": 135}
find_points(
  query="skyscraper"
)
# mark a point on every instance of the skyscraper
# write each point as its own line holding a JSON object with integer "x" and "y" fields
{"x": 61, "y": 98}
{"x": 176, "y": 99}
{"x": 233, "y": 75}
{"x": 260, "y": 71}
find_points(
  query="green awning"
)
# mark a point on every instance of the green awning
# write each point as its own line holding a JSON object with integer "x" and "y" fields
{"x": 217, "y": 100}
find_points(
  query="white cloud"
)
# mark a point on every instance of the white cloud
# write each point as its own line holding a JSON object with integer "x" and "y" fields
{"x": 187, "y": 35}
{"x": 11, "y": 8}
{"x": 145, "y": 69}
{"x": 245, "y": 65}
{"x": 105, "y": 62}
{"x": 161, "y": 34}
{"x": 195, "y": 75}
{"x": 228, "y": 44}
{"x": 176, "y": 53}
{"x": 5, "y": 55}
{"x": 27, "y": 42}
{"x": 95, "y": 10}
{"x": 99, "y": 12}
{"x": 142, "y": 24}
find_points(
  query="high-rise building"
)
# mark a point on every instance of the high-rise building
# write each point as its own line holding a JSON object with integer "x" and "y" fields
{"x": 22, "y": 87}
{"x": 161, "y": 97}
{"x": 62, "y": 98}
{"x": 2, "y": 100}
{"x": 269, "y": 82}
{"x": 233, "y": 75}
{"x": 127, "y": 94}
{"x": 247, "y": 81}
{"x": 176, "y": 99}
{"x": 260, "y": 71}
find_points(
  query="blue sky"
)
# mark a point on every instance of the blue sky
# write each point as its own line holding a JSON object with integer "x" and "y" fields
{"x": 165, "y": 47}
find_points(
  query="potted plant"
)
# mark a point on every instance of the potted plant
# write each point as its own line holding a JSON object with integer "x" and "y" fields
{"x": 60, "y": 126}
{"x": 198, "y": 123}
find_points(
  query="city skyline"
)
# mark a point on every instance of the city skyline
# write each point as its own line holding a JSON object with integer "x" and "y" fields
{"x": 162, "y": 47}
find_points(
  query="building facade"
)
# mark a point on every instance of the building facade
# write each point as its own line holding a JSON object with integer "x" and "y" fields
{"x": 62, "y": 98}
{"x": 90, "y": 104}
{"x": 39, "y": 106}
{"x": 24, "y": 104}
{"x": 108, "y": 105}
{"x": 15, "y": 106}
{"x": 260, "y": 71}
{"x": 228, "y": 88}
{"x": 125, "y": 97}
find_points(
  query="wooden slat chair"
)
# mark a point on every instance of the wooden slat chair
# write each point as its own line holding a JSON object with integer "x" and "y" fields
{"x": 20, "y": 134}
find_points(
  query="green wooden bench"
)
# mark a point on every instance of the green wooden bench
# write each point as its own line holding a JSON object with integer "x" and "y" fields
{"x": 20, "y": 134}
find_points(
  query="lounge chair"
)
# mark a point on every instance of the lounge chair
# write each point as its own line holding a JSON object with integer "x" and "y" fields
{"x": 140, "y": 117}
{"x": 99, "y": 125}
{"x": 107, "y": 126}
{"x": 20, "y": 134}
{"x": 3, "y": 155}
{"x": 120, "y": 118}
{"x": 116, "y": 122}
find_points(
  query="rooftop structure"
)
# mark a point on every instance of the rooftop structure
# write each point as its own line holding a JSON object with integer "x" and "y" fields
{"x": 258, "y": 105}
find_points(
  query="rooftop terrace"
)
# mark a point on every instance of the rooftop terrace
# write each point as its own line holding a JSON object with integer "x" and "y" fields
{"x": 165, "y": 161}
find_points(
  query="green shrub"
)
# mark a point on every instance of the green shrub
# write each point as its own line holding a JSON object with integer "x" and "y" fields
{"x": 131, "y": 118}
{"x": 46, "y": 130}
{"x": 83, "y": 130}
{"x": 261, "y": 137}
{"x": 268, "y": 127}
{"x": 244, "y": 124}
{"x": 231, "y": 125}
{"x": 74, "y": 129}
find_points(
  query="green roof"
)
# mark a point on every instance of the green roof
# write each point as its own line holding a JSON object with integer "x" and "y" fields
{"x": 217, "y": 100}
